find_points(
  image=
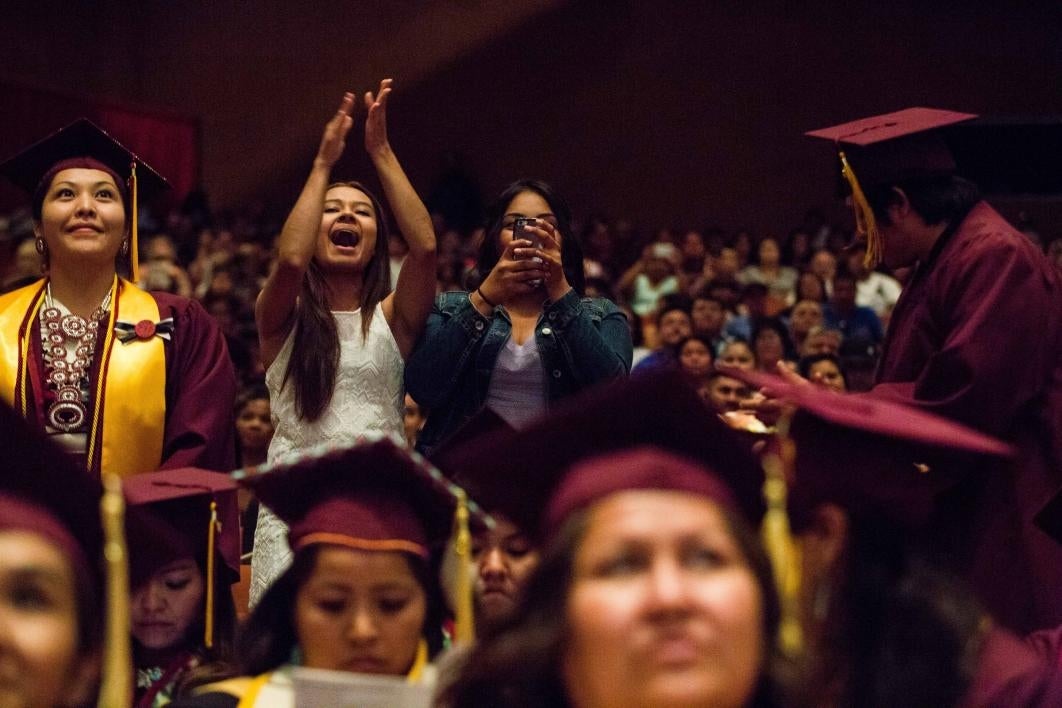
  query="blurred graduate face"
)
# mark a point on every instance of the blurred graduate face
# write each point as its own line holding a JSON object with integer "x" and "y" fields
{"x": 504, "y": 560}
{"x": 167, "y": 605}
{"x": 664, "y": 609}
{"x": 82, "y": 218}
{"x": 360, "y": 611}
{"x": 347, "y": 238}
{"x": 40, "y": 664}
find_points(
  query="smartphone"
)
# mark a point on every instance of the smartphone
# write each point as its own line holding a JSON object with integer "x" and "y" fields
{"x": 520, "y": 231}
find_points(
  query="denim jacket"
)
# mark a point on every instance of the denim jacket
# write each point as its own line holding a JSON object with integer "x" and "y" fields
{"x": 581, "y": 342}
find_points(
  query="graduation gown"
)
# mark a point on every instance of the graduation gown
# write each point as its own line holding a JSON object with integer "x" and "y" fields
{"x": 977, "y": 337}
{"x": 194, "y": 384}
{"x": 1011, "y": 675}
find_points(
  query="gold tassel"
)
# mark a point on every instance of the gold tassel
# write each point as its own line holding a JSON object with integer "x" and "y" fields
{"x": 866, "y": 224}
{"x": 464, "y": 618}
{"x": 208, "y": 623}
{"x": 134, "y": 257}
{"x": 779, "y": 543}
{"x": 117, "y": 681}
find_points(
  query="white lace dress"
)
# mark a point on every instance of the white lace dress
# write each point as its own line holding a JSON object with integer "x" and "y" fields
{"x": 368, "y": 397}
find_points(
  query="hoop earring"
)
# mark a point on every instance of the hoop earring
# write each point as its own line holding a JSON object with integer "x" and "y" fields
{"x": 40, "y": 245}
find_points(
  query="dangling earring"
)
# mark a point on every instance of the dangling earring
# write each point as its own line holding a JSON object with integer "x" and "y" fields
{"x": 41, "y": 246}
{"x": 125, "y": 248}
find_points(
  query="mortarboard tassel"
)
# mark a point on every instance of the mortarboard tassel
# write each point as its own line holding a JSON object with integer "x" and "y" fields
{"x": 779, "y": 543}
{"x": 117, "y": 680}
{"x": 208, "y": 622}
{"x": 464, "y": 619}
{"x": 134, "y": 257}
{"x": 866, "y": 224}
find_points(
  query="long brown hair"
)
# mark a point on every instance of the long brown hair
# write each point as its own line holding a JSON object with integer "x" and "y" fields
{"x": 314, "y": 357}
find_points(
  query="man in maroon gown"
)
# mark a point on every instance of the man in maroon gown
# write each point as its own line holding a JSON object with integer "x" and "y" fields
{"x": 976, "y": 337}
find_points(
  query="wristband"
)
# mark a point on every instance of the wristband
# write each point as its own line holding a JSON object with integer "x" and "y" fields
{"x": 485, "y": 298}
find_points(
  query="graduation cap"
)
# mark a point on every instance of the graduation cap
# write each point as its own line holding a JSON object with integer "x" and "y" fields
{"x": 83, "y": 144}
{"x": 375, "y": 495}
{"x": 869, "y": 455}
{"x": 183, "y": 513}
{"x": 536, "y": 476}
{"x": 483, "y": 423}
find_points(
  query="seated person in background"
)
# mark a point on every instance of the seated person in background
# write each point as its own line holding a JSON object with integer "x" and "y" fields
{"x": 652, "y": 277}
{"x": 738, "y": 354}
{"x": 753, "y": 307}
{"x": 824, "y": 264}
{"x": 695, "y": 359}
{"x": 822, "y": 340}
{"x": 824, "y": 370}
{"x": 804, "y": 316}
{"x": 725, "y": 393}
{"x": 768, "y": 270}
{"x": 874, "y": 289}
{"x": 672, "y": 326}
{"x": 771, "y": 344}
{"x": 708, "y": 317}
{"x": 855, "y": 322}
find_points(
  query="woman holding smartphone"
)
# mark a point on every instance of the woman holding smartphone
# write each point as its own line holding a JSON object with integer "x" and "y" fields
{"x": 525, "y": 337}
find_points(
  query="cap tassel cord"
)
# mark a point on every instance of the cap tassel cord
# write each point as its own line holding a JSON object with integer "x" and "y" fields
{"x": 779, "y": 543}
{"x": 464, "y": 620}
{"x": 866, "y": 224}
{"x": 117, "y": 681}
{"x": 208, "y": 623}
{"x": 134, "y": 256}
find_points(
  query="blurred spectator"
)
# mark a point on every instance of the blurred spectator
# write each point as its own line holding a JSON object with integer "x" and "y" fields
{"x": 805, "y": 315}
{"x": 742, "y": 245}
{"x": 875, "y": 290}
{"x": 768, "y": 270}
{"x": 753, "y": 307}
{"x": 693, "y": 253}
{"x": 672, "y": 327}
{"x": 797, "y": 249}
{"x": 724, "y": 393}
{"x": 824, "y": 264}
{"x": 159, "y": 270}
{"x": 25, "y": 268}
{"x": 810, "y": 286}
{"x": 771, "y": 344}
{"x": 738, "y": 354}
{"x": 859, "y": 325}
{"x": 655, "y": 275}
{"x": 708, "y": 316}
{"x": 695, "y": 359}
{"x": 824, "y": 370}
{"x": 413, "y": 417}
{"x": 822, "y": 340}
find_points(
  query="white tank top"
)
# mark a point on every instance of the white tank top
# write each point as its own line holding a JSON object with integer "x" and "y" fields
{"x": 368, "y": 397}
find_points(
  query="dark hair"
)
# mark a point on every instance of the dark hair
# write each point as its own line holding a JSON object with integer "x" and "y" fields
{"x": 707, "y": 342}
{"x": 775, "y": 324}
{"x": 738, "y": 340}
{"x": 268, "y": 637}
{"x": 672, "y": 302}
{"x": 805, "y": 364}
{"x": 518, "y": 662}
{"x": 822, "y": 286}
{"x": 936, "y": 198}
{"x": 899, "y": 630}
{"x": 314, "y": 357}
{"x": 252, "y": 392}
{"x": 571, "y": 250}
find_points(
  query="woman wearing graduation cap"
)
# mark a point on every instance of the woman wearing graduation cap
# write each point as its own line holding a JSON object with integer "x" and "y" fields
{"x": 124, "y": 380}
{"x": 882, "y": 620}
{"x": 334, "y": 333}
{"x": 185, "y": 554}
{"x": 51, "y": 585}
{"x": 361, "y": 595}
{"x": 652, "y": 589}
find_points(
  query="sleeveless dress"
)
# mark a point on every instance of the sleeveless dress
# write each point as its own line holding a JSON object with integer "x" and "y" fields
{"x": 369, "y": 397}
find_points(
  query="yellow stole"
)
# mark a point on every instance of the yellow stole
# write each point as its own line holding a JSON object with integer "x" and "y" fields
{"x": 128, "y": 417}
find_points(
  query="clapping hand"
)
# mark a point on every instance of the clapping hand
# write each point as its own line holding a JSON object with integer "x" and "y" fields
{"x": 376, "y": 120}
{"x": 334, "y": 140}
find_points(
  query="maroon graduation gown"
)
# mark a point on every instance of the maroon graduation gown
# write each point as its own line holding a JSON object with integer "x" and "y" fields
{"x": 977, "y": 337}
{"x": 1010, "y": 675}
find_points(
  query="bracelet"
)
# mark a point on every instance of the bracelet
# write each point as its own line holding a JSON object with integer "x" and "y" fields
{"x": 485, "y": 298}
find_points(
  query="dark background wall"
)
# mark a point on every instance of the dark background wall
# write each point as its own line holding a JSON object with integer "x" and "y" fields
{"x": 673, "y": 112}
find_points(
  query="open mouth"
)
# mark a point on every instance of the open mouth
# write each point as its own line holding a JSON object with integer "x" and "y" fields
{"x": 345, "y": 238}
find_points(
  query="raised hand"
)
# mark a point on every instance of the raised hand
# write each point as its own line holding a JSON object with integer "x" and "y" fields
{"x": 376, "y": 121}
{"x": 334, "y": 140}
{"x": 556, "y": 281}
